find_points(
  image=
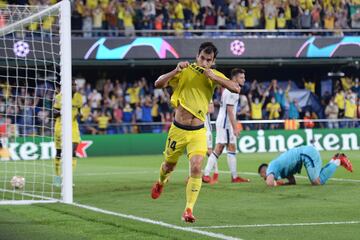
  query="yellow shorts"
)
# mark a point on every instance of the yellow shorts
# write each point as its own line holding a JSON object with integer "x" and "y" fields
{"x": 75, "y": 133}
{"x": 194, "y": 141}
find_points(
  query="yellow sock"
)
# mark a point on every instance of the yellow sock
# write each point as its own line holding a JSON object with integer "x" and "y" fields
{"x": 163, "y": 175}
{"x": 74, "y": 163}
{"x": 192, "y": 191}
{"x": 57, "y": 166}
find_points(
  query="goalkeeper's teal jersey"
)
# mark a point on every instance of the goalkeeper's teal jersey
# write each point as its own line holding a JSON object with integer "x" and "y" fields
{"x": 290, "y": 162}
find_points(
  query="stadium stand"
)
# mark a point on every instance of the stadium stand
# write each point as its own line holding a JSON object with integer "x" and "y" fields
{"x": 134, "y": 106}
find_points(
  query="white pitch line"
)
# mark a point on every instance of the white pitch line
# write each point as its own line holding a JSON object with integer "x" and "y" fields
{"x": 243, "y": 173}
{"x": 277, "y": 225}
{"x": 114, "y": 173}
{"x": 303, "y": 177}
{"x": 163, "y": 224}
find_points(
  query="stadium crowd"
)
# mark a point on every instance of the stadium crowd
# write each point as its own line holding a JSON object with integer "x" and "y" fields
{"x": 91, "y": 16}
{"x": 124, "y": 107}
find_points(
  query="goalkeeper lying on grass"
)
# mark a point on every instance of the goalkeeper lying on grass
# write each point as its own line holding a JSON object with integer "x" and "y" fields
{"x": 291, "y": 162}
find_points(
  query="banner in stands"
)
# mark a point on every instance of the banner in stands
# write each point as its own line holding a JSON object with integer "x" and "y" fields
{"x": 173, "y": 48}
{"x": 146, "y": 144}
{"x": 142, "y": 48}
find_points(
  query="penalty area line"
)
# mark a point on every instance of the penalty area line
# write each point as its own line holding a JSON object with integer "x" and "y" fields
{"x": 186, "y": 171}
{"x": 159, "y": 223}
{"x": 277, "y": 225}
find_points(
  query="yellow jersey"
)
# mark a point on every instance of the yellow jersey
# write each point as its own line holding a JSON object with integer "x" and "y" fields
{"x": 179, "y": 13}
{"x": 193, "y": 90}
{"x": 310, "y": 86}
{"x": 256, "y": 111}
{"x": 76, "y": 105}
{"x": 346, "y": 83}
{"x": 48, "y": 22}
{"x": 103, "y": 122}
{"x": 155, "y": 110}
{"x": 350, "y": 109}
{"x": 270, "y": 23}
{"x": 134, "y": 94}
{"x": 281, "y": 22}
{"x": 85, "y": 113}
{"x": 340, "y": 101}
{"x": 273, "y": 109}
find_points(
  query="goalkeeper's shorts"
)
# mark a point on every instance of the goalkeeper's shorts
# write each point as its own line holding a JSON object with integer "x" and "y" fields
{"x": 184, "y": 137}
{"x": 75, "y": 133}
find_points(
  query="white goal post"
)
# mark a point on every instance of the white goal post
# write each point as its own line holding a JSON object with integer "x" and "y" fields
{"x": 35, "y": 66}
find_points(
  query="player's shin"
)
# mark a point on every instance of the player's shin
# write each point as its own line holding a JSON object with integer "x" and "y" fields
{"x": 231, "y": 159}
{"x": 212, "y": 161}
{"x": 165, "y": 172}
{"x": 192, "y": 191}
{"x": 327, "y": 171}
{"x": 57, "y": 166}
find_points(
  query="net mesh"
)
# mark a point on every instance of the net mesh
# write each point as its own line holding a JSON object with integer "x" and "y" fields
{"x": 29, "y": 81}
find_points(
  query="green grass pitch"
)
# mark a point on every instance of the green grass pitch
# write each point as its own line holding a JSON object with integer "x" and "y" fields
{"x": 122, "y": 185}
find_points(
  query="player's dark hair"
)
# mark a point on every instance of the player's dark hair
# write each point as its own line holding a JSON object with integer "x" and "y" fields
{"x": 208, "y": 48}
{"x": 261, "y": 166}
{"x": 236, "y": 71}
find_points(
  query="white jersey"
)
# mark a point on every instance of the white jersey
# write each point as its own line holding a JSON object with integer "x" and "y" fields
{"x": 208, "y": 127}
{"x": 208, "y": 123}
{"x": 227, "y": 99}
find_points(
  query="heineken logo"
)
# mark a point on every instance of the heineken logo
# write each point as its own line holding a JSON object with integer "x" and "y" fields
{"x": 265, "y": 142}
{"x": 42, "y": 150}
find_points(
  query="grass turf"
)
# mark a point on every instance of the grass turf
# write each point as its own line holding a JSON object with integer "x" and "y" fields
{"x": 122, "y": 184}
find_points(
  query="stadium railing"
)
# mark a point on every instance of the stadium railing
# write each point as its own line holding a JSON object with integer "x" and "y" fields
{"x": 287, "y": 124}
{"x": 221, "y": 32}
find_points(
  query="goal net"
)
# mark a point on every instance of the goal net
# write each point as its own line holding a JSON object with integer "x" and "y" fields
{"x": 35, "y": 56}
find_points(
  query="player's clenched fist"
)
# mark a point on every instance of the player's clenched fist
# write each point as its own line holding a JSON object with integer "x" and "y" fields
{"x": 209, "y": 73}
{"x": 181, "y": 65}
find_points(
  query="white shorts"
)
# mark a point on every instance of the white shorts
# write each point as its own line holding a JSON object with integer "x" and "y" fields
{"x": 225, "y": 136}
{"x": 209, "y": 139}
{"x": 4, "y": 142}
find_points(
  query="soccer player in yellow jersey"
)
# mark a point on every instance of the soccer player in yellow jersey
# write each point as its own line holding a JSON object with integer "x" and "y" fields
{"x": 193, "y": 87}
{"x": 76, "y": 106}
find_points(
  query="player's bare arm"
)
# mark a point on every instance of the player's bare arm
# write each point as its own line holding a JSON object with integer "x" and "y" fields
{"x": 230, "y": 112}
{"x": 230, "y": 85}
{"x": 270, "y": 180}
{"x": 163, "y": 80}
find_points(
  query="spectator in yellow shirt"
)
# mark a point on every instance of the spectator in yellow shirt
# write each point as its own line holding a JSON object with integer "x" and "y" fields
{"x": 91, "y": 4}
{"x": 273, "y": 108}
{"x": 350, "y": 111}
{"x": 134, "y": 92}
{"x": 256, "y": 109}
{"x": 128, "y": 21}
{"x": 179, "y": 10}
{"x": 346, "y": 83}
{"x": 340, "y": 102}
{"x": 103, "y": 122}
{"x": 85, "y": 112}
{"x": 309, "y": 85}
{"x": 270, "y": 22}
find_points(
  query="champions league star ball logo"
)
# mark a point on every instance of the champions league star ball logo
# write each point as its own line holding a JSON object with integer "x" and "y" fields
{"x": 237, "y": 47}
{"x": 21, "y": 49}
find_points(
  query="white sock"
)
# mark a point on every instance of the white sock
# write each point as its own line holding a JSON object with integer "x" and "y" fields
{"x": 231, "y": 159}
{"x": 212, "y": 160}
{"x": 216, "y": 169}
{"x": 335, "y": 161}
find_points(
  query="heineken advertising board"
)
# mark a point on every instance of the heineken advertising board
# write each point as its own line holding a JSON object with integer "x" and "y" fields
{"x": 141, "y": 144}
